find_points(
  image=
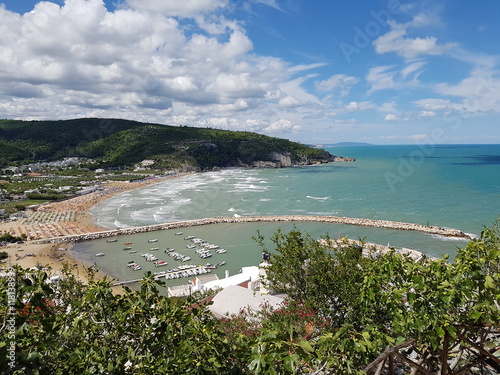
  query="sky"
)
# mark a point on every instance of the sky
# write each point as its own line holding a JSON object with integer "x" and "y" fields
{"x": 314, "y": 71}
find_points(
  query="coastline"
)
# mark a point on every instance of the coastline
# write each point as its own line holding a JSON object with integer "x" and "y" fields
{"x": 61, "y": 224}
{"x": 64, "y": 218}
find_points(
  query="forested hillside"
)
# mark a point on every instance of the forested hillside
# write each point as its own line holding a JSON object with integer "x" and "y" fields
{"x": 114, "y": 142}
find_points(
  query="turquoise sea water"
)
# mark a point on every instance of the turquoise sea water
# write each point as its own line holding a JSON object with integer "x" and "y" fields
{"x": 455, "y": 186}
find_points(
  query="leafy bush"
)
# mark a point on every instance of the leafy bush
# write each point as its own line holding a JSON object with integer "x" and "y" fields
{"x": 92, "y": 330}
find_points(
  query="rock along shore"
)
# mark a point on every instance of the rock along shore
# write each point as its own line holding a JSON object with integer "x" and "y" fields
{"x": 255, "y": 219}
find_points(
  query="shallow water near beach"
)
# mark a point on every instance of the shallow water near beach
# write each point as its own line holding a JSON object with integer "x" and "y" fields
{"x": 449, "y": 186}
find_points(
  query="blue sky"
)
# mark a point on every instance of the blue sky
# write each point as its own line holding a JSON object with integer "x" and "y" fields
{"x": 322, "y": 71}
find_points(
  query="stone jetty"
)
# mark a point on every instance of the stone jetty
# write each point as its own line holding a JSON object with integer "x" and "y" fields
{"x": 256, "y": 219}
{"x": 374, "y": 250}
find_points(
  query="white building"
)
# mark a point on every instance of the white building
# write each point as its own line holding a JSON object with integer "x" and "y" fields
{"x": 234, "y": 299}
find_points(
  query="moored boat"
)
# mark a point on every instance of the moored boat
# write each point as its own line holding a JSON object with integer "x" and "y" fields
{"x": 134, "y": 266}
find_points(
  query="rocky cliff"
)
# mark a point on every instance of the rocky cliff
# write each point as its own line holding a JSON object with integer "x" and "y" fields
{"x": 283, "y": 160}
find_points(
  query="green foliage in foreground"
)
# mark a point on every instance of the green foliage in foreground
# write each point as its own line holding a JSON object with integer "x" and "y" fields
{"x": 343, "y": 311}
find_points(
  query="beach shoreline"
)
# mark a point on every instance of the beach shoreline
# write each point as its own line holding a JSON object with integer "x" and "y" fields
{"x": 62, "y": 218}
{"x": 61, "y": 224}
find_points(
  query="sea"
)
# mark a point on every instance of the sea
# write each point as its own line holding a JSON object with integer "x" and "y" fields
{"x": 451, "y": 186}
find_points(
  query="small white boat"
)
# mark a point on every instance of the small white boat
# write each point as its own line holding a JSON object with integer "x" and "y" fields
{"x": 100, "y": 254}
{"x": 153, "y": 240}
{"x": 134, "y": 266}
{"x": 154, "y": 248}
{"x": 112, "y": 240}
{"x": 161, "y": 263}
{"x": 178, "y": 234}
{"x": 221, "y": 251}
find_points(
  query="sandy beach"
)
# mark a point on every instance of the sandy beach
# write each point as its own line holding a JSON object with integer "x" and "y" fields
{"x": 60, "y": 219}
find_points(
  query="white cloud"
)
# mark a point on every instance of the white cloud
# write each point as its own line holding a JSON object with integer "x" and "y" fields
{"x": 396, "y": 40}
{"x": 390, "y": 117}
{"x": 433, "y": 104}
{"x": 427, "y": 114}
{"x": 355, "y": 106}
{"x": 140, "y": 62}
{"x": 253, "y": 125}
{"x": 294, "y": 89}
{"x": 380, "y": 78}
{"x": 352, "y": 107}
{"x": 391, "y": 77}
{"x": 337, "y": 82}
{"x": 288, "y": 101}
{"x": 271, "y": 3}
{"x": 184, "y": 8}
{"x": 387, "y": 107}
{"x": 282, "y": 126}
{"x": 414, "y": 67}
{"x": 300, "y": 68}
{"x": 478, "y": 84}
{"x": 479, "y": 93}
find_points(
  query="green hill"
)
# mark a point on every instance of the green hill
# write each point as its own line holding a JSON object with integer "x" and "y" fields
{"x": 115, "y": 142}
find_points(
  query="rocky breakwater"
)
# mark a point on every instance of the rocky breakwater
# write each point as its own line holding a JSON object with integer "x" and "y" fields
{"x": 255, "y": 219}
{"x": 374, "y": 250}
